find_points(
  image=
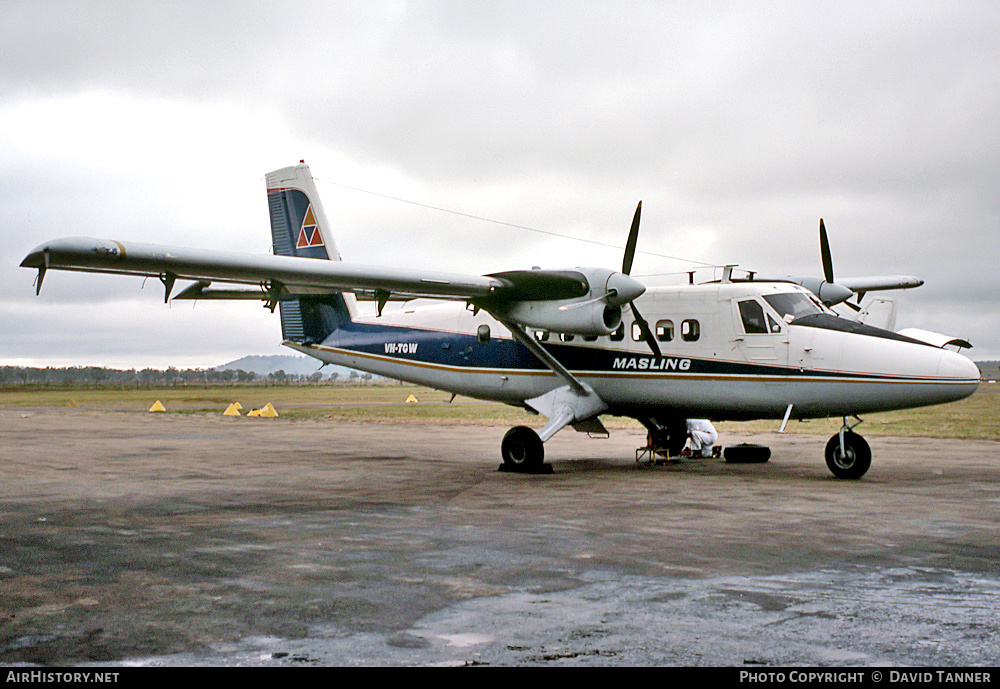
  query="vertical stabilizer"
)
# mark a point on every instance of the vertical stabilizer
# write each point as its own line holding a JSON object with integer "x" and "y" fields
{"x": 298, "y": 223}
{"x": 299, "y": 227}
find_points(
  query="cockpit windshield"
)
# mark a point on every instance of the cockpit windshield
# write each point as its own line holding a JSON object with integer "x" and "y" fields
{"x": 793, "y": 305}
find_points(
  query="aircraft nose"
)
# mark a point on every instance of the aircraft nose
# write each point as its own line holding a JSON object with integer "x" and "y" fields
{"x": 960, "y": 368}
{"x": 627, "y": 289}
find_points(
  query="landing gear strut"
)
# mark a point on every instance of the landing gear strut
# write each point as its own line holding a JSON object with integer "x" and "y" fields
{"x": 848, "y": 454}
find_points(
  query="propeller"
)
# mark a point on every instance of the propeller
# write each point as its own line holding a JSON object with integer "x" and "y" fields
{"x": 633, "y": 237}
{"x": 824, "y": 250}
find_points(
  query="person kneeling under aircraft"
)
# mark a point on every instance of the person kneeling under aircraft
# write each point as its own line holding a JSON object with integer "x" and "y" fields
{"x": 703, "y": 438}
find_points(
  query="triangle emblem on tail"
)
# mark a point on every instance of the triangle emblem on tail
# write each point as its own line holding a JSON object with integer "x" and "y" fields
{"x": 309, "y": 234}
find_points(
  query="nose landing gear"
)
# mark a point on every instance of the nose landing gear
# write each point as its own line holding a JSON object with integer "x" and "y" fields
{"x": 847, "y": 454}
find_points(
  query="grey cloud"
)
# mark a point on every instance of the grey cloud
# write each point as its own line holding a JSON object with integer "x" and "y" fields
{"x": 738, "y": 124}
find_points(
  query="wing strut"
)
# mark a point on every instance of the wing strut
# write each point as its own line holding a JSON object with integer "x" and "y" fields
{"x": 543, "y": 354}
{"x": 573, "y": 403}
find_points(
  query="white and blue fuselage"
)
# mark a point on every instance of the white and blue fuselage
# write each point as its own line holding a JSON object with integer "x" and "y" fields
{"x": 710, "y": 366}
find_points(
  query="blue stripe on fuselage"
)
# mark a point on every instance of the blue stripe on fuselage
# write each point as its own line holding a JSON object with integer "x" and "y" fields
{"x": 432, "y": 346}
{"x": 450, "y": 349}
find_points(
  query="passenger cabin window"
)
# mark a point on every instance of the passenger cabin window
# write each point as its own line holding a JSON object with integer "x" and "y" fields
{"x": 565, "y": 337}
{"x": 542, "y": 335}
{"x": 690, "y": 330}
{"x": 619, "y": 334}
{"x": 664, "y": 331}
{"x": 752, "y": 314}
{"x": 636, "y": 332}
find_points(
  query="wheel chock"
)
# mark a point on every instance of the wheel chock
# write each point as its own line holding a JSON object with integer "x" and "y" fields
{"x": 540, "y": 469}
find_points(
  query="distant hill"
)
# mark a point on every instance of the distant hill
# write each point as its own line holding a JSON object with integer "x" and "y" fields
{"x": 291, "y": 365}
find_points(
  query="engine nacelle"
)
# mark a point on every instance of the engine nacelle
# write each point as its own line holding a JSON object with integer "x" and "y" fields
{"x": 590, "y": 304}
{"x": 588, "y": 319}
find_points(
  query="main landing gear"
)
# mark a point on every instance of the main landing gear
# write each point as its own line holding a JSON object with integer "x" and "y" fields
{"x": 522, "y": 451}
{"x": 670, "y": 434}
{"x": 847, "y": 453}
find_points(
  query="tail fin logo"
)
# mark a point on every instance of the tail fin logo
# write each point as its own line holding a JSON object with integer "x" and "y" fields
{"x": 309, "y": 234}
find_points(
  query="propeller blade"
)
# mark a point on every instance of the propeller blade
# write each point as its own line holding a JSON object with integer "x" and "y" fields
{"x": 647, "y": 334}
{"x": 633, "y": 237}
{"x": 824, "y": 249}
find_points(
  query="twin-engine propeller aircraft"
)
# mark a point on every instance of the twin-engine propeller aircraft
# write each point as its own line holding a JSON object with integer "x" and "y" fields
{"x": 572, "y": 345}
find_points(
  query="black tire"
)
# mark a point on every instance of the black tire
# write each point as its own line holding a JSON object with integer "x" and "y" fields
{"x": 747, "y": 453}
{"x": 672, "y": 436}
{"x": 522, "y": 449}
{"x": 857, "y": 460}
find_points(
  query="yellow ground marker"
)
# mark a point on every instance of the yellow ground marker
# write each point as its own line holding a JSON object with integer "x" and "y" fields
{"x": 72, "y": 404}
{"x": 253, "y": 412}
{"x": 158, "y": 406}
{"x": 268, "y": 411}
{"x": 232, "y": 410}
{"x": 411, "y": 399}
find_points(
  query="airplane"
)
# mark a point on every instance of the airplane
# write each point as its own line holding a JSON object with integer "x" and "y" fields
{"x": 572, "y": 344}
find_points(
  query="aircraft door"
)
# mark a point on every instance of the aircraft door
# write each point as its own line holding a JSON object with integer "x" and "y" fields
{"x": 764, "y": 337}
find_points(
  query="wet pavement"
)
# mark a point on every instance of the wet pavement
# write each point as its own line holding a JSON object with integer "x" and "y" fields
{"x": 182, "y": 539}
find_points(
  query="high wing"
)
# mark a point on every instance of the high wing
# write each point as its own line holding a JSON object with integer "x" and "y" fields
{"x": 878, "y": 283}
{"x": 530, "y": 298}
{"x": 306, "y": 265}
{"x": 306, "y": 275}
{"x": 832, "y": 292}
{"x": 289, "y": 274}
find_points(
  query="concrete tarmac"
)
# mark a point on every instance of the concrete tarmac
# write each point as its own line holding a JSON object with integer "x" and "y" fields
{"x": 181, "y": 539}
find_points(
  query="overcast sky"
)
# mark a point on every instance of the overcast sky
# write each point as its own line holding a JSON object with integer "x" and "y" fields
{"x": 738, "y": 124}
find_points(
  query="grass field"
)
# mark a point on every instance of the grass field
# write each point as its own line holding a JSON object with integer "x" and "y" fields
{"x": 975, "y": 417}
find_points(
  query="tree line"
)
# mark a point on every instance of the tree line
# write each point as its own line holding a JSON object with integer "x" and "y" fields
{"x": 100, "y": 376}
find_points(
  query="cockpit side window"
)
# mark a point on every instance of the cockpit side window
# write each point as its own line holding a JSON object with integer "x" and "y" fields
{"x": 752, "y": 314}
{"x": 773, "y": 324}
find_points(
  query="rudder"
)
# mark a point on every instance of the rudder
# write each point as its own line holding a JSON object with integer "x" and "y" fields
{"x": 299, "y": 228}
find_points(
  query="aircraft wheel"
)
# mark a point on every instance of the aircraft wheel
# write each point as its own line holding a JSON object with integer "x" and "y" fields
{"x": 855, "y": 462}
{"x": 522, "y": 449}
{"x": 747, "y": 453}
{"x": 672, "y": 435}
